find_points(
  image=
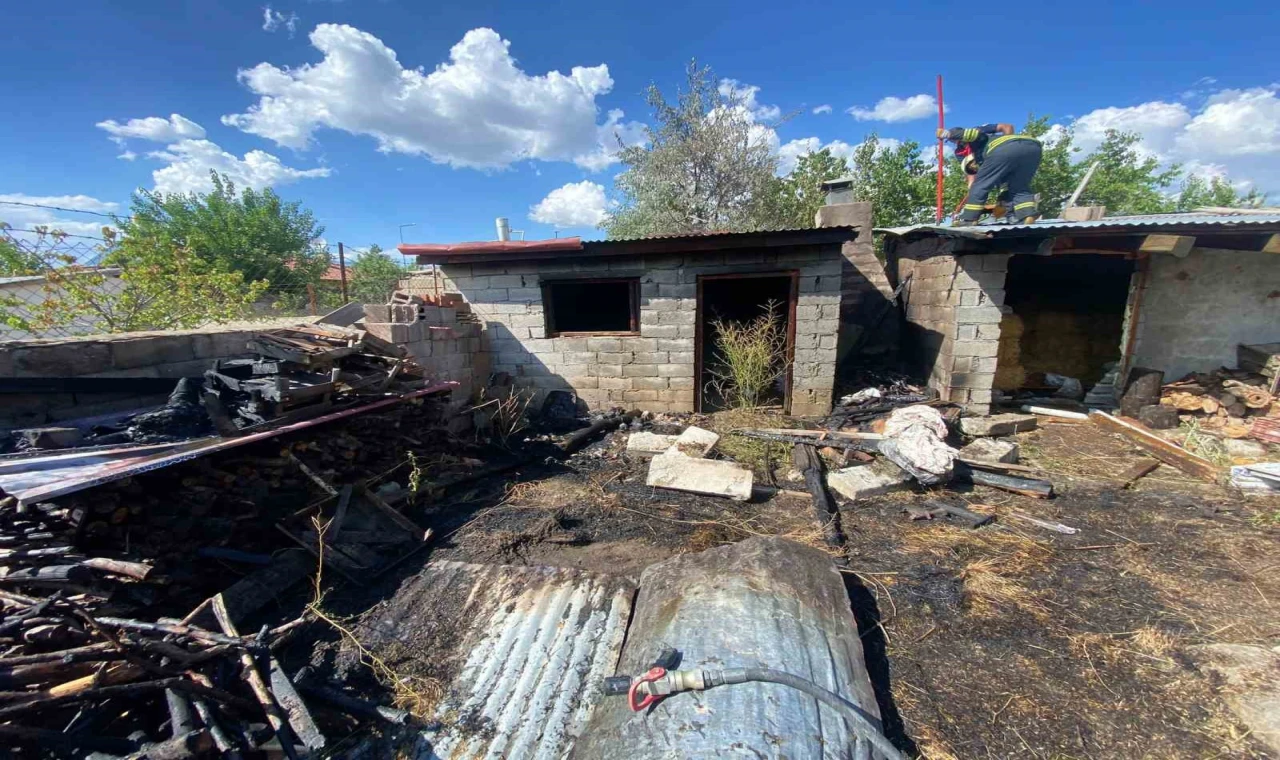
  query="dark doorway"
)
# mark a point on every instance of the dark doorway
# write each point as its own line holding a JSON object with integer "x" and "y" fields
{"x": 740, "y": 299}
{"x": 1068, "y": 318}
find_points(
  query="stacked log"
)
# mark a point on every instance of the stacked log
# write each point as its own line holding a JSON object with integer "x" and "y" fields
{"x": 1223, "y": 401}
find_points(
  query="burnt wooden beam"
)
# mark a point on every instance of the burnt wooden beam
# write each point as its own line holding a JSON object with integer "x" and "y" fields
{"x": 1158, "y": 447}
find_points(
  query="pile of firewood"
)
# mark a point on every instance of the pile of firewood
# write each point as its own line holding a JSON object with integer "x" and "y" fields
{"x": 1224, "y": 400}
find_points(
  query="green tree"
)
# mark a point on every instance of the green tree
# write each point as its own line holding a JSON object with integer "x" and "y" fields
{"x": 252, "y": 232}
{"x": 900, "y": 184}
{"x": 1128, "y": 180}
{"x": 1198, "y": 193}
{"x": 374, "y": 276}
{"x": 157, "y": 287}
{"x": 799, "y": 194}
{"x": 707, "y": 166}
{"x": 16, "y": 260}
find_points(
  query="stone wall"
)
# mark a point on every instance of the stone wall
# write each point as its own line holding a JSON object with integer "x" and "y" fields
{"x": 653, "y": 370}
{"x": 174, "y": 354}
{"x": 1196, "y": 310}
{"x": 954, "y": 305}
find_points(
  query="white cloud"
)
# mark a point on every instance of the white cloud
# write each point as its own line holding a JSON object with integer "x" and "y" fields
{"x": 893, "y": 109}
{"x": 1235, "y": 133}
{"x": 1237, "y": 123}
{"x": 21, "y": 217}
{"x": 613, "y": 135}
{"x": 127, "y": 155}
{"x": 745, "y": 96}
{"x": 1158, "y": 123}
{"x": 476, "y": 110}
{"x": 789, "y": 154}
{"x": 824, "y": 108}
{"x": 189, "y": 162}
{"x": 273, "y": 20}
{"x": 154, "y": 128}
{"x": 576, "y": 204}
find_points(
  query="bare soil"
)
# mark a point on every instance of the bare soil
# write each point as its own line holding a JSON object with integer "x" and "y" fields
{"x": 1005, "y": 641}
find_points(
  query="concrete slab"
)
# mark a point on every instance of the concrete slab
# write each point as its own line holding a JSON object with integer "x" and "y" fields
{"x": 696, "y": 442}
{"x": 998, "y": 424}
{"x": 643, "y": 443}
{"x": 679, "y": 472}
{"x": 1249, "y": 680}
{"x": 867, "y": 480}
{"x": 991, "y": 450}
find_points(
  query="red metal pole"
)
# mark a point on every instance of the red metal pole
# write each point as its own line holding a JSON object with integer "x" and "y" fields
{"x": 941, "y": 150}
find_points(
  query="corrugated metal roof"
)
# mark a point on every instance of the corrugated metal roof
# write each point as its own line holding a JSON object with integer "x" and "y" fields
{"x": 432, "y": 250}
{"x": 534, "y": 645}
{"x": 1194, "y": 219}
{"x": 721, "y": 233}
{"x": 36, "y": 478}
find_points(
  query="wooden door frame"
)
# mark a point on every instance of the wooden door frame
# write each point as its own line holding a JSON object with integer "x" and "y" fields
{"x": 793, "y": 299}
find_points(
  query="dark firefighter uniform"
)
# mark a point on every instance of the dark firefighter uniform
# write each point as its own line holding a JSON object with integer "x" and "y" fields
{"x": 996, "y": 159}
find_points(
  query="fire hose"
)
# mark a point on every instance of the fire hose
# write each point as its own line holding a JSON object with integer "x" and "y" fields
{"x": 659, "y": 682}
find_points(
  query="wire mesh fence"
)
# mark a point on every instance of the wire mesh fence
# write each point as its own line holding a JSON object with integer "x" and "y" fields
{"x": 55, "y": 285}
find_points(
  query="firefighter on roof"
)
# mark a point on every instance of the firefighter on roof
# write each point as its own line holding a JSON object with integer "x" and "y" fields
{"x": 993, "y": 156}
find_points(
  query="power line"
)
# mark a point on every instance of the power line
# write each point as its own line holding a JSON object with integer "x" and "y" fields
{"x": 60, "y": 208}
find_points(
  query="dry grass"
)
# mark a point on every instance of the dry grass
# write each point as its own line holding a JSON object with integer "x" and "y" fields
{"x": 416, "y": 694}
{"x": 991, "y": 592}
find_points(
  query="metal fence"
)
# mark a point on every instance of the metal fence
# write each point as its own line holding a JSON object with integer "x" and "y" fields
{"x": 55, "y": 285}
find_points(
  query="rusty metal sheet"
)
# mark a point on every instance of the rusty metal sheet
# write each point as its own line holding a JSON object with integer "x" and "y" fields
{"x": 40, "y": 478}
{"x": 529, "y": 647}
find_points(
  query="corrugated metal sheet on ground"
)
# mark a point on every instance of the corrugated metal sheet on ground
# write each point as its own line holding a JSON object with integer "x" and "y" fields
{"x": 535, "y": 643}
{"x": 1110, "y": 222}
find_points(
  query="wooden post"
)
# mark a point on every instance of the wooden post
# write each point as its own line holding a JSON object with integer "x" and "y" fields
{"x": 342, "y": 271}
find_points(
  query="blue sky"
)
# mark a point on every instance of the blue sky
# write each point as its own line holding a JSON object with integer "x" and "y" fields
{"x": 336, "y": 104}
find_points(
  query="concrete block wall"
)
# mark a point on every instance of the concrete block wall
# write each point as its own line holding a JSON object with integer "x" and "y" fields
{"x": 864, "y": 284}
{"x": 1196, "y": 310}
{"x": 653, "y": 370}
{"x": 455, "y": 352}
{"x": 175, "y": 354}
{"x": 954, "y": 305}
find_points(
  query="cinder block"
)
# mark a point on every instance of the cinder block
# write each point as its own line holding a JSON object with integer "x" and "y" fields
{"x": 675, "y": 344}
{"x": 677, "y": 318}
{"x": 675, "y": 370}
{"x": 988, "y": 332}
{"x": 684, "y": 331}
{"x": 649, "y": 383}
{"x": 662, "y": 304}
{"x": 639, "y": 395}
{"x": 661, "y": 331}
{"x": 975, "y": 348}
{"x": 680, "y": 383}
{"x": 611, "y": 345}
{"x": 507, "y": 281}
{"x": 489, "y": 295}
{"x": 614, "y": 383}
{"x": 644, "y": 370}
{"x": 607, "y": 370}
{"x": 622, "y": 357}
{"x": 639, "y": 345}
{"x": 662, "y": 277}
{"x": 571, "y": 344}
{"x": 680, "y": 357}
{"x": 528, "y": 295}
{"x": 979, "y": 315}
{"x": 654, "y": 357}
